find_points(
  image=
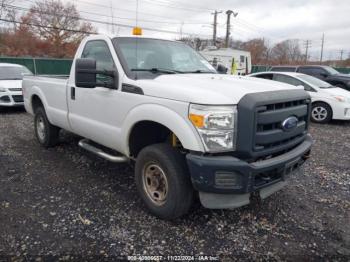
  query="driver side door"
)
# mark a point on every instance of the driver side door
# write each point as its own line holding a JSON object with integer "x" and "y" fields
{"x": 93, "y": 112}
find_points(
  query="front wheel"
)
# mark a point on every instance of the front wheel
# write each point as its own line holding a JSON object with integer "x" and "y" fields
{"x": 163, "y": 181}
{"x": 46, "y": 133}
{"x": 321, "y": 113}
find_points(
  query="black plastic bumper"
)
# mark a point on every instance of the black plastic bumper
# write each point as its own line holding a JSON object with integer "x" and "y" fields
{"x": 230, "y": 175}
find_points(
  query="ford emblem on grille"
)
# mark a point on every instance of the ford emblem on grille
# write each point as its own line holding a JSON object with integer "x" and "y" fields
{"x": 290, "y": 123}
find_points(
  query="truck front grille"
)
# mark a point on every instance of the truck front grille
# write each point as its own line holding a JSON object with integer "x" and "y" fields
{"x": 260, "y": 117}
{"x": 269, "y": 132}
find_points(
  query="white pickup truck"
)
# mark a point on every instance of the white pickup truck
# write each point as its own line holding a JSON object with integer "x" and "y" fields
{"x": 189, "y": 130}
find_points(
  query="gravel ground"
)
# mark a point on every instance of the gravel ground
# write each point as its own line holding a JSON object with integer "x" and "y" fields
{"x": 65, "y": 203}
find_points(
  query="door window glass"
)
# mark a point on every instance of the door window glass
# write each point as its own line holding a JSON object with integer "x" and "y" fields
{"x": 287, "y": 80}
{"x": 99, "y": 51}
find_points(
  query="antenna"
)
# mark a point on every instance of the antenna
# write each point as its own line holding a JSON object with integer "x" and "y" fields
{"x": 135, "y": 31}
{"x": 137, "y": 13}
{"x": 111, "y": 3}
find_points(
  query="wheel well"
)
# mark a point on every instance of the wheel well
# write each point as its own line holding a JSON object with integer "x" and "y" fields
{"x": 322, "y": 102}
{"x": 146, "y": 133}
{"x": 36, "y": 103}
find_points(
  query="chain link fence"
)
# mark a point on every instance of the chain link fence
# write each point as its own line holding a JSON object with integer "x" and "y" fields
{"x": 41, "y": 66}
{"x": 50, "y": 66}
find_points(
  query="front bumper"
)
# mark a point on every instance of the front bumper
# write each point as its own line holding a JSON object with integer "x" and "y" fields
{"x": 10, "y": 99}
{"x": 227, "y": 182}
{"x": 341, "y": 112}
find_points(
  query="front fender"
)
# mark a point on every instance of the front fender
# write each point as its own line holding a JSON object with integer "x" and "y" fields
{"x": 181, "y": 127}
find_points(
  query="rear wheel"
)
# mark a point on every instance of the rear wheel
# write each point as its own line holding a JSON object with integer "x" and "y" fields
{"x": 46, "y": 133}
{"x": 163, "y": 181}
{"x": 321, "y": 113}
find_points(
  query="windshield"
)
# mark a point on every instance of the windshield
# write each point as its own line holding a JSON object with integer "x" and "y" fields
{"x": 331, "y": 70}
{"x": 13, "y": 73}
{"x": 315, "y": 81}
{"x": 166, "y": 56}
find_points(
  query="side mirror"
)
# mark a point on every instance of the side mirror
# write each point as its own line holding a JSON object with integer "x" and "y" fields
{"x": 85, "y": 74}
{"x": 324, "y": 75}
{"x": 222, "y": 69}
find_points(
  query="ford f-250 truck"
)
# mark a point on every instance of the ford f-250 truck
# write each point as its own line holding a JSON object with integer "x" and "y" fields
{"x": 188, "y": 129}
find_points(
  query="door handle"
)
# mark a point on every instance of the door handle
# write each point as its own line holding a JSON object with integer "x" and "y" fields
{"x": 72, "y": 93}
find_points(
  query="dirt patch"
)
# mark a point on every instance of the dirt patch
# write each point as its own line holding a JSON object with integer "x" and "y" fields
{"x": 66, "y": 203}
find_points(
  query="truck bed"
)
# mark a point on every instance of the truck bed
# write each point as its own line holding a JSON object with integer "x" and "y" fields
{"x": 54, "y": 96}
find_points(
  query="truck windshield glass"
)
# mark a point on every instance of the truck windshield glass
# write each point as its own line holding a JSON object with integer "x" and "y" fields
{"x": 331, "y": 70}
{"x": 161, "y": 56}
{"x": 13, "y": 73}
{"x": 315, "y": 81}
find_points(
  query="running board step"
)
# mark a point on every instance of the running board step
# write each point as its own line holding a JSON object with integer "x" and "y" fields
{"x": 85, "y": 144}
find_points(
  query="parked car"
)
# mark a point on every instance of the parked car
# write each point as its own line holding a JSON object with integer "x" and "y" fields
{"x": 328, "y": 102}
{"x": 325, "y": 73}
{"x": 283, "y": 68}
{"x": 189, "y": 130}
{"x": 11, "y": 76}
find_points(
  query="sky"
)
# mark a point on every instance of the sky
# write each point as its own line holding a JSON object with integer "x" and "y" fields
{"x": 274, "y": 20}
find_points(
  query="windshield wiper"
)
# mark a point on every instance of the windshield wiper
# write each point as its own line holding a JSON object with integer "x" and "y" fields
{"x": 156, "y": 70}
{"x": 199, "y": 72}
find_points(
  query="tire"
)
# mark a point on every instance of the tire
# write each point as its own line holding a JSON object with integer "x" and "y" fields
{"x": 154, "y": 163}
{"x": 45, "y": 132}
{"x": 321, "y": 113}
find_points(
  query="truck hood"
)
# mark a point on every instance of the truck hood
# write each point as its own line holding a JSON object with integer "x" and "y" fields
{"x": 208, "y": 88}
{"x": 11, "y": 83}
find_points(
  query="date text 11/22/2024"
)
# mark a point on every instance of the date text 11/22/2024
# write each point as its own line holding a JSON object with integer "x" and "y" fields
{"x": 172, "y": 258}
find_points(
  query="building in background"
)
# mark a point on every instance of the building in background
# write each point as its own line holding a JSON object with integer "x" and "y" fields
{"x": 238, "y": 62}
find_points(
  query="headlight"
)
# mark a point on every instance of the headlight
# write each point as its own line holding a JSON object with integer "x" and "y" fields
{"x": 3, "y": 89}
{"x": 216, "y": 126}
{"x": 340, "y": 98}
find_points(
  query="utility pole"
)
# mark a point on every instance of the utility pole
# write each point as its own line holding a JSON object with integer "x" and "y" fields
{"x": 341, "y": 55}
{"x": 228, "y": 26}
{"x": 181, "y": 29}
{"x": 215, "y": 24}
{"x": 322, "y": 45}
{"x": 307, "y": 45}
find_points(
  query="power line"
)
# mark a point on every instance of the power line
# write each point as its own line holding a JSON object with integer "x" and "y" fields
{"x": 106, "y": 23}
{"x": 176, "y": 6}
{"x": 167, "y": 21}
{"x": 47, "y": 27}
